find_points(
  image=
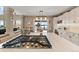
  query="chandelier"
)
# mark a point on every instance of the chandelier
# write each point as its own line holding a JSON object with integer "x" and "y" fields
{"x": 41, "y": 17}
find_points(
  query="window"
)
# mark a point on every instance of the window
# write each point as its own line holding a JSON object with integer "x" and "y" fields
{"x": 2, "y": 27}
{"x": 42, "y": 23}
{"x": 1, "y": 10}
{"x": 2, "y": 24}
{"x": 18, "y": 23}
{"x": 1, "y": 20}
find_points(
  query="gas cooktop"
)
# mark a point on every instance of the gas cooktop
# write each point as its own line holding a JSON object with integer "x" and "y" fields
{"x": 28, "y": 41}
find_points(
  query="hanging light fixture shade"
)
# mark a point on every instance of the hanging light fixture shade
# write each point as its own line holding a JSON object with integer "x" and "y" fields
{"x": 41, "y": 14}
{"x": 41, "y": 17}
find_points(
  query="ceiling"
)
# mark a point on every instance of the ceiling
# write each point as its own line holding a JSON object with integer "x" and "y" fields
{"x": 35, "y": 10}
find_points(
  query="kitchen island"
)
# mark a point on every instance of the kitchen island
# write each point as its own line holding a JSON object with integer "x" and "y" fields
{"x": 58, "y": 43}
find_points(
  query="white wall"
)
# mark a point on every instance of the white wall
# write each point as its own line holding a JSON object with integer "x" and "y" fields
{"x": 70, "y": 16}
{"x": 72, "y": 32}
